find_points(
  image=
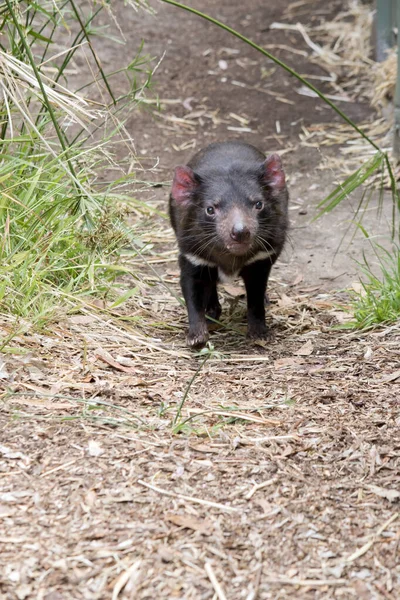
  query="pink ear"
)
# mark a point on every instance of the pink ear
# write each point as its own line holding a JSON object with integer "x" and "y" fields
{"x": 184, "y": 183}
{"x": 274, "y": 172}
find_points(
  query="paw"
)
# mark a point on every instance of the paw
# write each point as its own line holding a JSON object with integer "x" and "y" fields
{"x": 197, "y": 338}
{"x": 259, "y": 331}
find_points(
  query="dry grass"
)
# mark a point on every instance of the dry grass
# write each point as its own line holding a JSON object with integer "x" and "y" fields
{"x": 342, "y": 47}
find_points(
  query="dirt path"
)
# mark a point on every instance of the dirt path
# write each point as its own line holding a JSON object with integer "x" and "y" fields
{"x": 284, "y": 481}
{"x": 216, "y": 88}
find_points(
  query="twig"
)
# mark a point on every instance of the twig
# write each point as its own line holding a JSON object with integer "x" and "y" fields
{"x": 217, "y": 587}
{"x": 252, "y": 595}
{"x": 188, "y": 498}
{"x": 237, "y": 415}
{"x": 307, "y": 582}
{"x": 124, "y": 578}
{"x": 269, "y": 438}
{"x": 260, "y": 486}
{"x": 63, "y": 466}
{"x": 369, "y": 544}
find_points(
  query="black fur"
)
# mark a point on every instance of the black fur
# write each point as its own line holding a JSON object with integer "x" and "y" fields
{"x": 233, "y": 179}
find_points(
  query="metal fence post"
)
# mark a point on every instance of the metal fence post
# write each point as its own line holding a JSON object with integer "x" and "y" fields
{"x": 396, "y": 141}
{"x": 384, "y": 27}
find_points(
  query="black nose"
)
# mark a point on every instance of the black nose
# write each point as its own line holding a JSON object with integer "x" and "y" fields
{"x": 240, "y": 233}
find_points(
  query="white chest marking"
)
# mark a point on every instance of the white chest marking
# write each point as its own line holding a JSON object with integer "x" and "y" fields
{"x": 261, "y": 255}
{"x": 197, "y": 261}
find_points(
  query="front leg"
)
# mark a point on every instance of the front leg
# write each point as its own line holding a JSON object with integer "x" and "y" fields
{"x": 255, "y": 277}
{"x": 199, "y": 287}
{"x": 213, "y": 310}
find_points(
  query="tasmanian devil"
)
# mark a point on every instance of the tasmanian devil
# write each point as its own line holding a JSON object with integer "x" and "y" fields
{"x": 229, "y": 210}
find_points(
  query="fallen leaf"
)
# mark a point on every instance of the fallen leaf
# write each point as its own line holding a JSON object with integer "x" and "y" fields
{"x": 308, "y": 290}
{"x": 4, "y": 374}
{"x": 341, "y": 316}
{"x": 368, "y": 353}
{"x": 124, "y": 577}
{"x": 391, "y": 377}
{"x": 94, "y": 448}
{"x": 306, "y": 349}
{"x": 50, "y": 404}
{"x": 187, "y": 103}
{"x": 23, "y": 591}
{"x": 90, "y": 498}
{"x": 107, "y": 358}
{"x": 299, "y": 278}
{"x": 204, "y": 448}
{"x": 9, "y": 453}
{"x": 262, "y": 343}
{"x": 234, "y": 290}
{"x": 35, "y": 374}
{"x": 358, "y": 288}
{"x": 99, "y": 303}
{"x": 125, "y": 361}
{"x": 390, "y": 495}
{"x": 282, "y": 363}
{"x": 204, "y": 526}
{"x": 284, "y": 301}
{"x": 15, "y": 496}
{"x": 165, "y": 554}
{"x": 54, "y": 596}
{"x": 82, "y": 319}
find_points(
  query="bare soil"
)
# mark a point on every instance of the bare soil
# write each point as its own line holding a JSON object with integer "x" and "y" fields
{"x": 283, "y": 481}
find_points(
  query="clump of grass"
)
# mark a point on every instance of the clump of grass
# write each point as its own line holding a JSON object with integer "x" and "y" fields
{"x": 62, "y": 222}
{"x": 48, "y": 249}
{"x": 379, "y": 299}
{"x": 205, "y": 354}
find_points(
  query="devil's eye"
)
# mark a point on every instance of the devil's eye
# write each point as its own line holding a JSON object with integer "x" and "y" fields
{"x": 259, "y": 205}
{"x": 210, "y": 210}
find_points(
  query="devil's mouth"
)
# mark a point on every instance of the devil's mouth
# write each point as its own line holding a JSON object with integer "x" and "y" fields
{"x": 238, "y": 248}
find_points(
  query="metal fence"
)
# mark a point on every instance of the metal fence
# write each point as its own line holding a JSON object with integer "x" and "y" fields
{"x": 386, "y": 36}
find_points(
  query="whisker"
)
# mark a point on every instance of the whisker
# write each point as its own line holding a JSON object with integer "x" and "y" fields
{"x": 265, "y": 243}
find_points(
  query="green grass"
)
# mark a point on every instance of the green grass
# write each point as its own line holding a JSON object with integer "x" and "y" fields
{"x": 55, "y": 244}
{"x": 63, "y": 228}
{"x": 379, "y": 301}
{"x": 205, "y": 354}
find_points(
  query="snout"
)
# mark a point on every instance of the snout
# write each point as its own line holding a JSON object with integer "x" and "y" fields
{"x": 237, "y": 229}
{"x": 240, "y": 234}
{"x": 239, "y": 240}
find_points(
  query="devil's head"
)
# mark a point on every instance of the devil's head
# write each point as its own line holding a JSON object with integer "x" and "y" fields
{"x": 235, "y": 208}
